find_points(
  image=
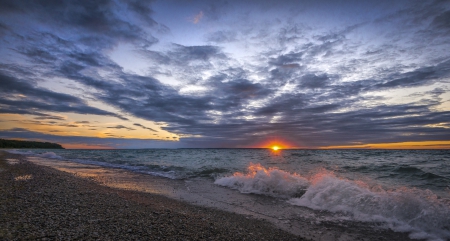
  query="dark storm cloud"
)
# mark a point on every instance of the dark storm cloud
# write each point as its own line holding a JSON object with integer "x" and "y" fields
{"x": 287, "y": 103}
{"x": 67, "y": 107}
{"x": 235, "y": 93}
{"x": 19, "y": 97}
{"x": 418, "y": 77}
{"x": 11, "y": 85}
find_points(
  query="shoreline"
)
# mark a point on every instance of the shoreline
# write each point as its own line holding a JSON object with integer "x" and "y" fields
{"x": 145, "y": 207}
{"x": 47, "y": 204}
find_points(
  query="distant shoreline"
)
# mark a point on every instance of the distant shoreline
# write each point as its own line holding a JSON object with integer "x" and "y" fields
{"x": 16, "y": 144}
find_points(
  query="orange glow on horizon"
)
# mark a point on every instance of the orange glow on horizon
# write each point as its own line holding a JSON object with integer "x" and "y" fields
{"x": 396, "y": 145}
{"x": 274, "y": 144}
{"x": 78, "y": 125}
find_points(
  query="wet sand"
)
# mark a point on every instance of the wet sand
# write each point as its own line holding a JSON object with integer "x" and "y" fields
{"x": 76, "y": 201}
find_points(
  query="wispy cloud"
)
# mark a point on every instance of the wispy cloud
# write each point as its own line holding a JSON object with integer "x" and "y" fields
{"x": 120, "y": 127}
{"x": 196, "y": 19}
{"x": 144, "y": 127}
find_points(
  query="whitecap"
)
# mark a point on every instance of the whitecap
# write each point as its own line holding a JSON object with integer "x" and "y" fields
{"x": 272, "y": 182}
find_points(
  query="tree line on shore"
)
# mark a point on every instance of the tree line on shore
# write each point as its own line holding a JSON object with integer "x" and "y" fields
{"x": 28, "y": 144}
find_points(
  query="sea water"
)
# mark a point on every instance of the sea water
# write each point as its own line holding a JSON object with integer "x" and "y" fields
{"x": 408, "y": 190}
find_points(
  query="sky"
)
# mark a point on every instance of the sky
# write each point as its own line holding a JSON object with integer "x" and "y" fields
{"x": 226, "y": 74}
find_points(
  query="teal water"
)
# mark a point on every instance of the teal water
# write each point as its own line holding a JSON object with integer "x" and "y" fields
{"x": 424, "y": 169}
{"x": 409, "y": 190}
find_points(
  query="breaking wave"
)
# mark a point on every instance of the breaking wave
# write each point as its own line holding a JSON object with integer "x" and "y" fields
{"x": 49, "y": 154}
{"x": 272, "y": 182}
{"x": 420, "y": 212}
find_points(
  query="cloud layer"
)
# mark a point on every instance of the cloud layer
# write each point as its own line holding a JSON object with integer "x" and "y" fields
{"x": 228, "y": 75}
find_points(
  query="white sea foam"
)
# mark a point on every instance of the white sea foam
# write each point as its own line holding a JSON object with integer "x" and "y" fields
{"x": 419, "y": 212}
{"x": 20, "y": 152}
{"x": 406, "y": 210}
{"x": 272, "y": 182}
{"x": 49, "y": 154}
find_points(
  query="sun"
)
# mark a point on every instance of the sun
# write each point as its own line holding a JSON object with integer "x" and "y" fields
{"x": 275, "y": 148}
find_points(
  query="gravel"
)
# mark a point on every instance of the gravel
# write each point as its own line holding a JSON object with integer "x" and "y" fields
{"x": 41, "y": 203}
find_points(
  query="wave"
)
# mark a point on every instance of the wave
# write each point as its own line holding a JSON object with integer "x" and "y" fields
{"x": 20, "y": 152}
{"x": 154, "y": 170}
{"x": 416, "y": 174}
{"x": 407, "y": 169}
{"x": 420, "y": 212}
{"x": 49, "y": 154}
{"x": 209, "y": 172}
{"x": 428, "y": 175}
{"x": 272, "y": 182}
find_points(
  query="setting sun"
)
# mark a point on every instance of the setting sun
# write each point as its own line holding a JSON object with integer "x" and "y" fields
{"x": 274, "y": 144}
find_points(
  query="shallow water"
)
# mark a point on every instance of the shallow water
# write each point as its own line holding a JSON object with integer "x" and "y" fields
{"x": 406, "y": 190}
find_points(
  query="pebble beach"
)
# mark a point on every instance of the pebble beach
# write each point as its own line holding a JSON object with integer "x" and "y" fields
{"x": 41, "y": 203}
{"x": 47, "y": 200}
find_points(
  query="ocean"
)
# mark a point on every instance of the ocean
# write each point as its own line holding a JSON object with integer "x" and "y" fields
{"x": 404, "y": 190}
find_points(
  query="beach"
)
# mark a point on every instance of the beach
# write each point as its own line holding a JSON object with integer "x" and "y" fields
{"x": 43, "y": 203}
